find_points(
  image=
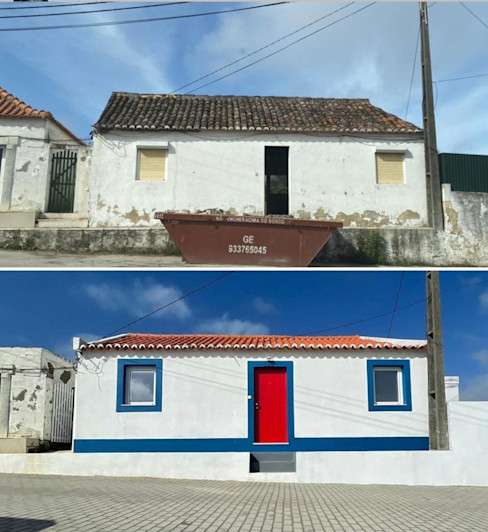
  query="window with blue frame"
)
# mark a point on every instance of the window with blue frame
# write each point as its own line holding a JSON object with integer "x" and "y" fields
{"x": 139, "y": 385}
{"x": 389, "y": 386}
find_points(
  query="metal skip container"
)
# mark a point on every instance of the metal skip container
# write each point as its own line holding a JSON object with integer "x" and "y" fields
{"x": 247, "y": 240}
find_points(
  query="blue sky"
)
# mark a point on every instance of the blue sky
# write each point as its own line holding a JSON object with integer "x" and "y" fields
{"x": 72, "y": 72}
{"x": 48, "y": 308}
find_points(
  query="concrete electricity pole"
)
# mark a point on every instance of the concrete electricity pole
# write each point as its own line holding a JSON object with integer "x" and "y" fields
{"x": 434, "y": 192}
{"x": 438, "y": 424}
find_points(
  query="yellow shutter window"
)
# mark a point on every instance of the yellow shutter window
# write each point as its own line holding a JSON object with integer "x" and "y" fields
{"x": 389, "y": 168}
{"x": 151, "y": 164}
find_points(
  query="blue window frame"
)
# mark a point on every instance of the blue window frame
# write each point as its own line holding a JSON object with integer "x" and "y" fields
{"x": 148, "y": 373}
{"x": 389, "y": 386}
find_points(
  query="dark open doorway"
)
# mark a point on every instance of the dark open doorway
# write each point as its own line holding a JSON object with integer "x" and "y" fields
{"x": 276, "y": 175}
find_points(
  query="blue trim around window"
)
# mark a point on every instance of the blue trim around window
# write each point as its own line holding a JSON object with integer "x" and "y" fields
{"x": 250, "y": 404}
{"x": 122, "y": 364}
{"x": 407, "y": 388}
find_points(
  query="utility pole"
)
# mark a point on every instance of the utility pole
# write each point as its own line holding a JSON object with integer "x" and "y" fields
{"x": 434, "y": 192}
{"x": 438, "y": 424}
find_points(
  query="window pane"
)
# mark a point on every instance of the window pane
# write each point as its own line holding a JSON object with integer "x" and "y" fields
{"x": 140, "y": 385}
{"x": 386, "y": 385}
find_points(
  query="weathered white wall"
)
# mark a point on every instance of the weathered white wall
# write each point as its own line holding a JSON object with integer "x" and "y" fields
{"x": 32, "y": 142}
{"x": 329, "y": 178}
{"x": 464, "y": 464}
{"x": 30, "y": 399}
{"x": 205, "y": 396}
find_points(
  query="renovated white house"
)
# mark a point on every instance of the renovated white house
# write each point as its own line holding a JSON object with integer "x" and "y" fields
{"x": 43, "y": 168}
{"x": 270, "y": 397}
{"x": 331, "y": 159}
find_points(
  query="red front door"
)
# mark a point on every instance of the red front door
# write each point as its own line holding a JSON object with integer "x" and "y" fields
{"x": 270, "y": 405}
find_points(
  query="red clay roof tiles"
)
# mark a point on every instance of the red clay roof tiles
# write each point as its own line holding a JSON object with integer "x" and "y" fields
{"x": 13, "y": 107}
{"x": 142, "y": 341}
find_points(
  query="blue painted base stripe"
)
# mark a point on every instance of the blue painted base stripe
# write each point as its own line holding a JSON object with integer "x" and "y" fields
{"x": 222, "y": 445}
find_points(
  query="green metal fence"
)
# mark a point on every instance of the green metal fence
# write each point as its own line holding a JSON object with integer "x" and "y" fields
{"x": 465, "y": 173}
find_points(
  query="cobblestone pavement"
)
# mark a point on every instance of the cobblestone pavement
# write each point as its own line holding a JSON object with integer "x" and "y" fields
{"x": 34, "y": 503}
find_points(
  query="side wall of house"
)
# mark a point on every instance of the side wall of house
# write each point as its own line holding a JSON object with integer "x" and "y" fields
{"x": 330, "y": 178}
{"x": 31, "y": 390}
{"x": 205, "y": 397}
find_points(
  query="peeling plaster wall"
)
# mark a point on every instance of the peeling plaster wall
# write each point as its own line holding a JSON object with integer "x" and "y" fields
{"x": 30, "y": 184}
{"x": 31, "y": 391}
{"x": 330, "y": 178}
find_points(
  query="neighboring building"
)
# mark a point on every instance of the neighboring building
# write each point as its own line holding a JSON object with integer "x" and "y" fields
{"x": 43, "y": 168}
{"x": 464, "y": 172}
{"x": 322, "y": 158}
{"x": 36, "y": 399}
{"x": 250, "y": 394}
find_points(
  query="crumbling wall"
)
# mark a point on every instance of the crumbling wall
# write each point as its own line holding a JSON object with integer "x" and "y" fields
{"x": 330, "y": 178}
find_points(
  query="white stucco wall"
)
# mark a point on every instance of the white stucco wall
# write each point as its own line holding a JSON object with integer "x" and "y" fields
{"x": 206, "y": 396}
{"x": 464, "y": 464}
{"x": 330, "y": 178}
{"x": 28, "y": 188}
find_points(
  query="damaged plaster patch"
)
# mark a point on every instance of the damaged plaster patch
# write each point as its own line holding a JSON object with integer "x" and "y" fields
{"x": 134, "y": 217}
{"x": 24, "y": 167}
{"x": 452, "y": 218}
{"x": 65, "y": 376}
{"x": 364, "y": 219}
{"x": 408, "y": 216}
{"x": 21, "y": 395}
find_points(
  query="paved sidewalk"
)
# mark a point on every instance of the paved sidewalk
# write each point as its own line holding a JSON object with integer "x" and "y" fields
{"x": 35, "y": 503}
{"x": 46, "y": 259}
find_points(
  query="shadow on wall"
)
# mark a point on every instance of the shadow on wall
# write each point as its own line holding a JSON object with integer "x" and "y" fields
{"x": 15, "y": 524}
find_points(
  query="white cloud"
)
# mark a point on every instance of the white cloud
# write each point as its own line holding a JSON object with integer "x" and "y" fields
{"x": 262, "y": 306}
{"x": 226, "y": 325}
{"x": 138, "y": 298}
{"x": 476, "y": 388}
{"x": 483, "y": 299}
{"x": 481, "y": 356}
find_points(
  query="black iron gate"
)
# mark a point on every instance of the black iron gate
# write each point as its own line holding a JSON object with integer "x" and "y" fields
{"x": 63, "y": 180}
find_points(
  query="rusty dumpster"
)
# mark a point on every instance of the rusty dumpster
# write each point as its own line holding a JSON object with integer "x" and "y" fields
{"x": 247, "y": 240}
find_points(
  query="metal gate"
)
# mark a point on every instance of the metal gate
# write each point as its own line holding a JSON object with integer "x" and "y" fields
{"x": 63, "y": 180}
{"x": 62, "y": 413}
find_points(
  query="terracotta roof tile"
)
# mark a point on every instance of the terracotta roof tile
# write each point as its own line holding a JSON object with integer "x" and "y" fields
{"x": 142, "y": 341}
{"x": 158, "y": 112}
{"x": 13, "y": 107}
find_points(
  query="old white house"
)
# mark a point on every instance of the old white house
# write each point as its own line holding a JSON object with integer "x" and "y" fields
{"x": 268, "y": 399}
{"x": 36, "y": 399}
{"x": 322, "y": 158}
{"x": 43, "y": 168}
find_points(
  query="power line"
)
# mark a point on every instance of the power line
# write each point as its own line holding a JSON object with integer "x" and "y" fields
{"x": 284, "y": 47}
{"x": 260, "y": 49}
{"x": 472, "y": 76}
{"x": 142, "y": 20}
{"x": 395, "y": 306}
{"x": 370, "y": 318}
{"x": 91, "y": 11}
{"x": 66, "y": 4}
{"x": 477, "y": 17}
{"x": 412, "y": 75}
{"x": 183, "y": 296}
